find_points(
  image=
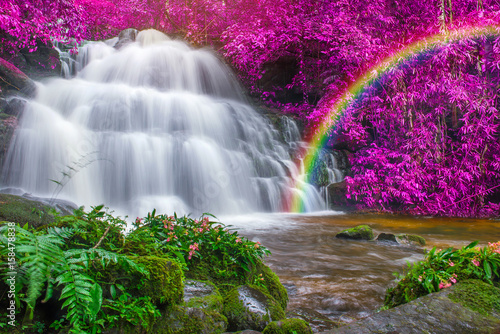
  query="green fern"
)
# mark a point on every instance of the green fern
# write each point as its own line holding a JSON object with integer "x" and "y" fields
{"x": 77, "y": 286}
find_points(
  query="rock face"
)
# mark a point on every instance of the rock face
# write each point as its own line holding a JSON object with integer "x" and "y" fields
{"x": 14, "y": 81}
{"x": 39, "y": 64}
{"x": 250, "y": 307}
{"x": 467, "y": 307}
{"x": 360, "y": 232}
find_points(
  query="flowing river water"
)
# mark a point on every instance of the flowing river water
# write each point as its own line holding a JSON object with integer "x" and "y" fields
{"x": 347, "y": 279}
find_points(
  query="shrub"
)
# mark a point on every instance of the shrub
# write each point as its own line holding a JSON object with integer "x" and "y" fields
{"x": 442, "y": 268}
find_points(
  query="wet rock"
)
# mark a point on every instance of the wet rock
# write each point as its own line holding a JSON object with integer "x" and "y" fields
{"x": 466, "y": 307}
{"x": 251, "y": 307}
{"x": 14, "y": 106}
{"x": 126, "y": 37}
{"x": 181, "y": 319}
{"x": 24, "y": 210}
{"x": 410, "y": 240}
{"x": 387, "y": 237}
{"x": 286, "y": 326}
{"x": 402, "y": 239}
{"x": 202, "y": 295}
{"x": 360, "y": 232}
{"x": 316, "y": 320}
{"x": 14, "y": 81}
{"x": 62, "y": 206}
{"x": 8, "y": 125}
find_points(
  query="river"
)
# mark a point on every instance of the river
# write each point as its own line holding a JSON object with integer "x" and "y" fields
{"x": 347, "y": 279}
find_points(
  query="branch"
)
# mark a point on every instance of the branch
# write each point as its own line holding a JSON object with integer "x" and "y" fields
{"x": 102, "y": 238}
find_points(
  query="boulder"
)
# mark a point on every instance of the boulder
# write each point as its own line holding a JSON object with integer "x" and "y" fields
{"x": 22, "y": 211}
{"x": 387, "y": 237}
{"x": 181, "y": 319}
{"x": 164, "y": 284}
{"x": 360, "y": 232}
{"x": 288, "y": 326}
{"x": 410, "y": 240}
{"x": 251, "y": 307}
{"x": 126, "y": 37}
{"x": 317, "y": 321}
{"x": 271, "y": 282}
{"x": 202, "y": 295}
{"x": 466, "y": 307}
{"x": 14, "y": 81}
{"x": 402, "y": 239}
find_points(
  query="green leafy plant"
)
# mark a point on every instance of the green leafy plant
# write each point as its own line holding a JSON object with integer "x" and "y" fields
{"x": 44, "y": 261}
{"x": 442, "y": 268}
{"x": 194, "y": 241}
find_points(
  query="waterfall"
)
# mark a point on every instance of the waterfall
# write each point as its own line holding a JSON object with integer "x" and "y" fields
{"x": 153, "y": 124}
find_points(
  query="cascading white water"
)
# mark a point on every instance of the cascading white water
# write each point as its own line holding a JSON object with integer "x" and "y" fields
{"x": 156, "y": 124}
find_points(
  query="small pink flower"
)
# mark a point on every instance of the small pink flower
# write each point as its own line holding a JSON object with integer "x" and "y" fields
{"x": 238, "y": 240}
{"x": 475, "y": 262}
{"x": 451, "y": 263}
{"x": 257, "y": 244}
{"x": 443, "y": 285}
{"x": 420, "y": 278}
{"x": 453, "y": 280}
{"x": 168, "y": 239}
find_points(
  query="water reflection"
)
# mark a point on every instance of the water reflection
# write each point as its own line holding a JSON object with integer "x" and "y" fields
{"x": 344, "y": 278}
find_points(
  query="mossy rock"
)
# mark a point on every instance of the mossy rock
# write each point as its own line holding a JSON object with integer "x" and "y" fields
{"x": 271, "y": 282}
{"x": 204, "y": 295}
{"x": 360, "y": 232}
{"x": 251, "y": 307}
{"x": 189, "y": 320}
{"x": 466, "y": 307}
{"x": 23, "y": 211}
{"x": 165, "y": 284}
{"x": 410, "y": 239}
{"x": 288, "y": 326}
{"x": 477, "y": 296}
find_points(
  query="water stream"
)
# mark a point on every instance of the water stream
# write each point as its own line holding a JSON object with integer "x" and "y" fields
{"x": 345, "y": 279}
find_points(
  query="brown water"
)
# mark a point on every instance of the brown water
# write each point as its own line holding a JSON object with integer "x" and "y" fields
{"x": 345, "y": 279}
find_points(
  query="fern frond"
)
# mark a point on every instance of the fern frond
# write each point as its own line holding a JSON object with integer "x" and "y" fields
{"x": 37, "y": 254}
{"x": 122, "y": 260}
{"x": 64, "y": 232}
{"x": 77, "y": 286}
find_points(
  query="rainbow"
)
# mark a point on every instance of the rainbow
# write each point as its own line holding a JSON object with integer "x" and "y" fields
{"x": 338, "y": 105}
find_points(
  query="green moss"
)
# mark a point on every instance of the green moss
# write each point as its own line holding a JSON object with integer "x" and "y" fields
{"x": 165, "y": 284}
{"x": 272, "y": 283}
{"x": 360, "y": 232}
{"x": 411, "y": 239}
{"x": 212, "y": 302}
{"x": 238, "y": 316}
{"x": 288, "y": 326}
{"x": 21, "y": 210}
{"x": 185, "y": 320}
{"x": 477, "y": 296}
